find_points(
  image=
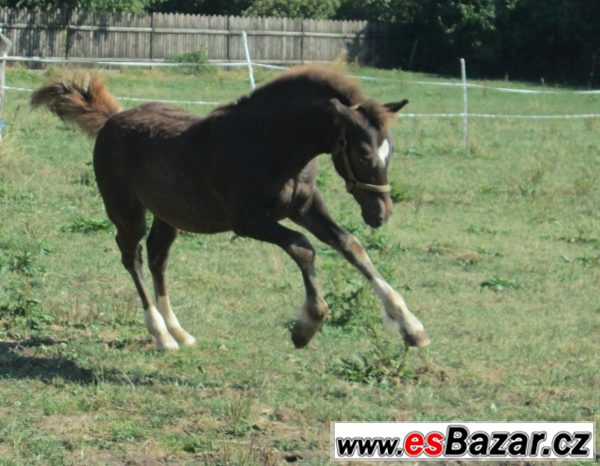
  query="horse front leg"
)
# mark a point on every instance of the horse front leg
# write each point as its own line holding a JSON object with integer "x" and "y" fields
{"x": 261, "y": 227}
{"x": 315, "y": 218}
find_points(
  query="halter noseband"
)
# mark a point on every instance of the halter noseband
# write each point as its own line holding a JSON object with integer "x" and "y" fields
{"x": 351, "y": 182}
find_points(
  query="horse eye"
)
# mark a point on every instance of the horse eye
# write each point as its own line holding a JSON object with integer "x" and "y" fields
{"x": 364, "y": 159}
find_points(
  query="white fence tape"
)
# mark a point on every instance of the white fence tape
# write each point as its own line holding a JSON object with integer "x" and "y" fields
{"x": 531, "y": 91}
{"x": 190, "y": 102}
{"x": 150, "y": 64}
{"x": 503, "y": 117}
{"x": 135, "y": 99}
{"x": 141, "y": 64}
{"x": 18, "y": 89}
{"x": 402, "y": 115}
{"x": 464, "y": 115}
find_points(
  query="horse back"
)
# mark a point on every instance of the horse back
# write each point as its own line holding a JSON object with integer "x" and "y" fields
{"x": 147, "y": 155}
{"x": 191, "y": 172}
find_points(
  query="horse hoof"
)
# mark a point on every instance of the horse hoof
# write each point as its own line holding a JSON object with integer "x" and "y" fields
{"x": 183, "y": 338}
{"x": 166, "y": 344}
{"x": 299, "y": 341}
{"x": 420, "y": 340}
{"x": 302, "y": 333}
{"x": 189, "y": 341}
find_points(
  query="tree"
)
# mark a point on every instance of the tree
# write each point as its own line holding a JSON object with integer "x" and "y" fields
{"x": 389, "y": 11}
{"x": 317, "y": 9}
{"x": 95, "y": 6}
{"x": 204, "y": 7}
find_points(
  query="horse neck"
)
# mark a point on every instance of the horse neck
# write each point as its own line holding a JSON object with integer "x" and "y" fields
{"x": 303, "y": 135}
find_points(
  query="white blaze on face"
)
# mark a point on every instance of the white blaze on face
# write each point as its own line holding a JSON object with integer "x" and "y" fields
{"x": 384, "y": 151}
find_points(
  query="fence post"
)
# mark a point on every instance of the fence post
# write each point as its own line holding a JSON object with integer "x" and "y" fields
{"x": 2, "y": 87}
{"x": 302, "y": 42}
{"x": 2, "y": 76}
{"x": 6, "y": 46}
{"x": 228, "y": 38}
{"x": 248, "y": 60}
{"x": 69, "y": 33}
{"x": 463, "y": 73}
{"x": 151, "y": 36}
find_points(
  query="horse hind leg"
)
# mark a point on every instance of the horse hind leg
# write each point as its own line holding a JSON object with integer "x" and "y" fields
{"x": 159, "y": 241}
{"x": 129, "y": 234}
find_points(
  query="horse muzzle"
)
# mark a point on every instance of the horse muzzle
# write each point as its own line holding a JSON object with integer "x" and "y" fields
{"x": 377, "y": 215}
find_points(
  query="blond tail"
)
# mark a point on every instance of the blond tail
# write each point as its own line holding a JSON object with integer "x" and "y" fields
{"x": 81, "y": 99}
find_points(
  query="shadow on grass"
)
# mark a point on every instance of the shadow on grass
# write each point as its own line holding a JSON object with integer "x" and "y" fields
{"x": 16, "y": 363}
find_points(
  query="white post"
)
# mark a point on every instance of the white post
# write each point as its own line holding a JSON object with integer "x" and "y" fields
{"x": 2, "y": 89}
{"x": 463, "y": 73}
{"x": 248, "y": 60}
{"x": 6, "y": 45}
{"x": 2, "y": 73}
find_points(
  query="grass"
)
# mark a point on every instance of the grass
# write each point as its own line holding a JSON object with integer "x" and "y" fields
{"x": 496, "y": 249}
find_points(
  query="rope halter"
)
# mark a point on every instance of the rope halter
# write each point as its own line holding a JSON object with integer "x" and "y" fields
{"x": 351, "y": 182}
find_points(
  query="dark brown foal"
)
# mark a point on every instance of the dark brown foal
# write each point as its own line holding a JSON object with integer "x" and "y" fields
{"x": 244, "y": 168}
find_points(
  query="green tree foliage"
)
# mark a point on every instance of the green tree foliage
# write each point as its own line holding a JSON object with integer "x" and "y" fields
{"x": 318, "y": 9}
{"x": 392, "y": 11}
{"x": 205, "y": 7}
{"x": 558, "y": 40}
{"x": 437, "y": 33}
{"x": 81, "y": 5}
{"x": 322, "y": 9}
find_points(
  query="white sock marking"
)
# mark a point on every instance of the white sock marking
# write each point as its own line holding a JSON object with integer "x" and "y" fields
{"x": 172, "y": 323}
{"x": 395, "y": 305}
{"x": 157, "y": 328}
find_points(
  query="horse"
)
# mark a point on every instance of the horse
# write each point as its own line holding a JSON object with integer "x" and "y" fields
{"x": 245, "y": 167}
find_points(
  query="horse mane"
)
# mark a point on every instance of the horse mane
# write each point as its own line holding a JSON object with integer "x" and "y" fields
{"x": 310, "y": 83}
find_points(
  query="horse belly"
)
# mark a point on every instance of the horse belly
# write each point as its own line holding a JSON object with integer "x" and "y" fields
{"x": 196, "y": 223}
{"x": 186, "y": 210}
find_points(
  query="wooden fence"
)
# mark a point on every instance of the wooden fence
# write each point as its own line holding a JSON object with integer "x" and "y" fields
{"x": 154, "y": 37}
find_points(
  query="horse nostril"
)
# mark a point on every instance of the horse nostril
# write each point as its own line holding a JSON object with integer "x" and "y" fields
{"x": 377, "y": 221}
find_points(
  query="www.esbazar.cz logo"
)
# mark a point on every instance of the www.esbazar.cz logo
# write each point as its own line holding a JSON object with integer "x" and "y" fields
{"x": 410, "y": 441}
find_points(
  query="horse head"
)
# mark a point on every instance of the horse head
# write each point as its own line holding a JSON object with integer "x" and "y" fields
{"x": 362, "y": 155}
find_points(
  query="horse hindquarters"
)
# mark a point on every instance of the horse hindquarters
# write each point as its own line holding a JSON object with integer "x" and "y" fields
{"x": 128, "y": 215}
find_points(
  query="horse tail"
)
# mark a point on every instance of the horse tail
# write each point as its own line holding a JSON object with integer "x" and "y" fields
{"x": 82, "y": 99}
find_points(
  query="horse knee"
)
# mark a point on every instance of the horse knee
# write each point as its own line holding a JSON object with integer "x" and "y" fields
{"x": 131, "y": 255}
{"x": 316, "y": 310}
{"x": 303, "y": 252}
{"x": 349, "y": 244}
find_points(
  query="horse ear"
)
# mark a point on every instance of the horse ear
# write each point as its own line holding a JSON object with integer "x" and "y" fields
{"x": 394, "y": 107}
{"x": 340, "y": 110}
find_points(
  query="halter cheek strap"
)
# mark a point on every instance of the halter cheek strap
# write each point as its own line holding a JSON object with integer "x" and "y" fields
{"x": 351, "y": 182}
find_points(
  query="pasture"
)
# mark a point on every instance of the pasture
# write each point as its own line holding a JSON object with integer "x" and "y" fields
{"x": 496, "y": 249}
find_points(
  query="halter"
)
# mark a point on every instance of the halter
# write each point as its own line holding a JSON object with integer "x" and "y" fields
{"x": 351, "y": 182}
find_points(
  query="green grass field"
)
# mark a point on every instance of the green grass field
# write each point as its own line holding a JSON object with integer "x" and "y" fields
{"x": 495, "y": 248}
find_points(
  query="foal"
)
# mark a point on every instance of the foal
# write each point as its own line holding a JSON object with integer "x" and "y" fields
{"x": 244, "y": 167}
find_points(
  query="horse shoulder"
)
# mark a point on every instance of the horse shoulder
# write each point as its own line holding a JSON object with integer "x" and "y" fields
{"x": 293, "y": 193}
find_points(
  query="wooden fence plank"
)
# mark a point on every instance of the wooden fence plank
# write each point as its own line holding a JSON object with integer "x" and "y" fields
{"x": 131, "y": 36}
